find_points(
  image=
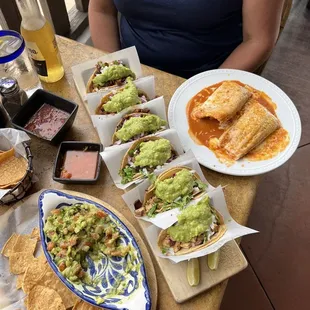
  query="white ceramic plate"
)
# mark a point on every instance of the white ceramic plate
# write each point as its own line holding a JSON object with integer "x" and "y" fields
{"x": 286, "y": 112}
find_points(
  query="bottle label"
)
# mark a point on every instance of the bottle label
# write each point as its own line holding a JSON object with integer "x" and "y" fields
{"x": 37, "y": 58}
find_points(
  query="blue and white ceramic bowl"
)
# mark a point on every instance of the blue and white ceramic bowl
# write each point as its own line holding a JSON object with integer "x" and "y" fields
{"x": 135, "y": 295}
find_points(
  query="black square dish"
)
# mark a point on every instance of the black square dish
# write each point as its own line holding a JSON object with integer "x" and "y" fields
{"x": 75, "y": 146}
{"x": 35, "y": 103}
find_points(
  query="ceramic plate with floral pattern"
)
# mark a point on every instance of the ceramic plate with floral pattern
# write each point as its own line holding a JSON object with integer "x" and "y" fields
{"x": 113, "y": 281}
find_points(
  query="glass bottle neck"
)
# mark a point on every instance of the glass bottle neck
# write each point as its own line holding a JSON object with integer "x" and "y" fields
{"x": 32, "y": 19}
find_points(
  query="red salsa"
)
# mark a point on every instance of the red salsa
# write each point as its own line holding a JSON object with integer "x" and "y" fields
{"x": 47, "y": 121}
{"x": 79, "y": 165}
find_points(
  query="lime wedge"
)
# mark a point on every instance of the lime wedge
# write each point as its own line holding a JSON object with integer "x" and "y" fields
{"x": 193, "y": 272}
{"x": 213, "y": 260}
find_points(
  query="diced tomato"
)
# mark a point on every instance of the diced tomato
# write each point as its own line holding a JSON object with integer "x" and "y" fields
{"x": 81, "y": 274}
{"x": 62, "y": 266}
{"x": 50, "y": 246}
{"x": 73, "y": 241}
{"x": 88, "y": 243}
{"x": 101, "y": 214}
{"x": 56, "y": 211}
{"x": 64, "y": 245}
{"x": 62, "y": 253}
{"x": 65, "y": 174}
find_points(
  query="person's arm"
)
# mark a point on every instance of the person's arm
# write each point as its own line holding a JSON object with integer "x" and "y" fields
{"x": 104, "y": 25}
{"x": 261, "y": 25}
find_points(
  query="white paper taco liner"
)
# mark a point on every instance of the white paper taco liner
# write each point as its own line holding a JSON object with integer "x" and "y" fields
{"x": 113, "y": 157}
{"x": 106, "y": 124}
{"x": 234, "y": 230}
{"x": 82, "y": 72}
{"x": 146, "y": 84}
{"x": 165, "y": 219}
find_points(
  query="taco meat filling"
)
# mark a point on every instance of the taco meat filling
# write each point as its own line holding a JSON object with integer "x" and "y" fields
{"x": 174, "y": 192}
{"x": 197, "y": 225}
{"x": 168, "y": 242}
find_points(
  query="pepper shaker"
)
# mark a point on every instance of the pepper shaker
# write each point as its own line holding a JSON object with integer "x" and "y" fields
{"x": 12, "y": 96}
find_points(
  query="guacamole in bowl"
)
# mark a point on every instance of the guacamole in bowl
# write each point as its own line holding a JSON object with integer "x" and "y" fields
{"x": 94, "y": 253}
{"x": 77, "y": 231}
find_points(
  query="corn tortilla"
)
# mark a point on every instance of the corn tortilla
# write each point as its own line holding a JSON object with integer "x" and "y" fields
{"x": 82, "y": 305}
{"x": 35, "y": 234}
{"x": 19, "y": 281}
{"x": 19, "y": 262}
{"x": 44, "y": 298}
{"x": 8, "y": 247}
{"x": 33, "y": 273}
{"x": 24, "y": 244}
{"x": 6, "y": 155}
{"x": 12, "y": 170}
{"x": 50, "y": 280}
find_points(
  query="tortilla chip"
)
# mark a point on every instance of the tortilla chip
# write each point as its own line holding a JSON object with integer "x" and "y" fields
{"x": 49, "y": 279}
{"x": 42, "y": 257}
{"x": 24, "y": 244}
{"x": 12, "y": 170}
{"x": 10, "y": 185}
{"x": 44, "y": 298}
{"x": 35, "y": 234}
{"x": 33, "y": 274}
{"x": 19, "y": 261}
{"x": 6, "y": 155}
{"x": 82, "y": 305}
{"x": 8, "y": 247}
{"x": 19, "y": 281}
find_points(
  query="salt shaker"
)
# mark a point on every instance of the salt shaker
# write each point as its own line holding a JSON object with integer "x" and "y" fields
{"x": 12, "y": 96}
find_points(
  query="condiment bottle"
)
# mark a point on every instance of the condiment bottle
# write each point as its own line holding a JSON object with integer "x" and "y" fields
{"x": 12, "y": 96}
{"x": 40, "y": 41}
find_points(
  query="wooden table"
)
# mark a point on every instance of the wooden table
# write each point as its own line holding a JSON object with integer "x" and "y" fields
{"x": 240, "y": 191}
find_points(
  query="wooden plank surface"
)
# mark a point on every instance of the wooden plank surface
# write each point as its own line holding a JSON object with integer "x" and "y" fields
{"x": 231, "y": 262}
{"x": 82, "y": 5}
{"x": 57, "y": 12}
{"x": 11, "y": 14}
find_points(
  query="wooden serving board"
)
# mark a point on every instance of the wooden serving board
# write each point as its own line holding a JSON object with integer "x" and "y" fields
{"x": 231, "y": 262}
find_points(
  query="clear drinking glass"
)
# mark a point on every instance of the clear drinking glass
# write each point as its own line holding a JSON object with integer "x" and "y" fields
{"x": 14, "y": 60}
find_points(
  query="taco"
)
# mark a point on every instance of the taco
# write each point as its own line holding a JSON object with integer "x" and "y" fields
{"x": 119, "y": 99}
{"x": 144, "y": 156}
{"x": 174, "y": 188}
{"x": 107, "y": 75}
{"x": 198, "y": 226}
{"x": 136, "y": 125}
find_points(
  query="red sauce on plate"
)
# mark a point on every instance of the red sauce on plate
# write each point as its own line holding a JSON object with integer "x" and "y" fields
{"x": 202, "y": 130}
{"x": 80, "y": 165}
{"x": 47, "y": 121}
